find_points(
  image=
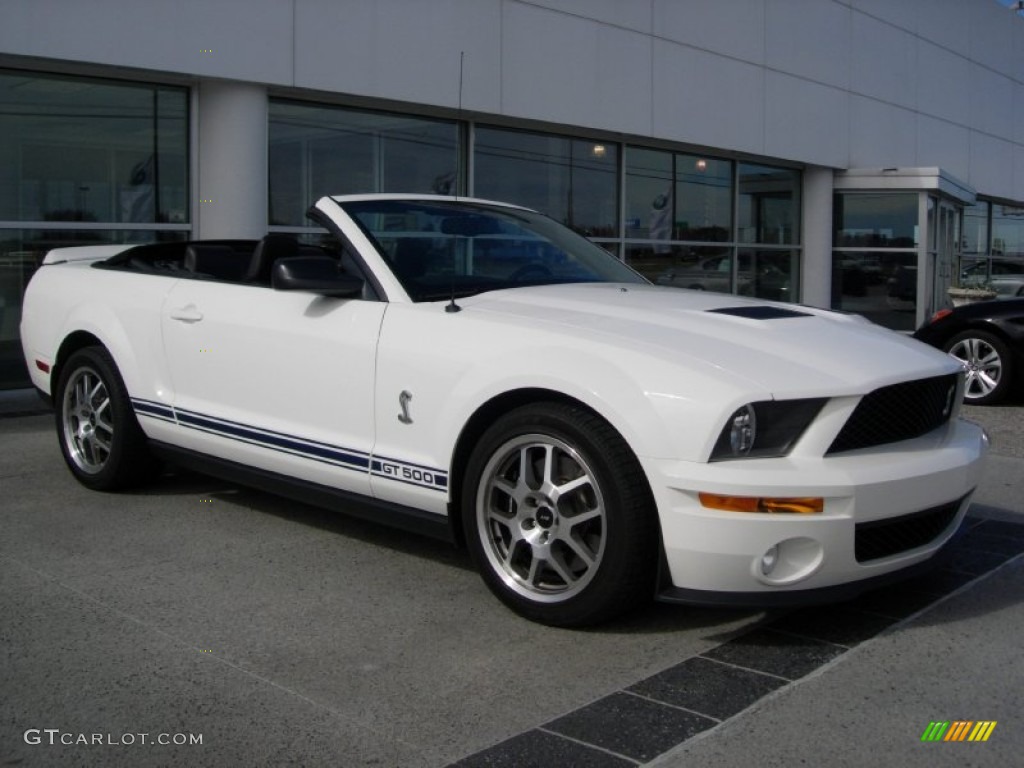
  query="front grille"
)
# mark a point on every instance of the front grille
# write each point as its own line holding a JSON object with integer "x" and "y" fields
{"x": 898, "y": 412}
{"x": 882, "y": 538}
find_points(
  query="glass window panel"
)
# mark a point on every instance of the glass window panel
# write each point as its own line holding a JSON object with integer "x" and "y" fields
{"x": 769, "y": 274}
{"x": 1007, "y": 231}
{"x": 318, "y": 150}
{"x": 769, "y": 205}
{"x": 870, "y": 220}
{"x": 975, "y": 231}
{"x": 649, "y": 185}
{"x": 880, "y": 286}
{"x": 571, "y": 180}
{"x": 77, "y": 149}
{"x": 703, "y": 199}
{"x": 704, "y": 268}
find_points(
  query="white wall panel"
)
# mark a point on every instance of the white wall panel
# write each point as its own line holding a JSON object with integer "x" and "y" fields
{"x": 991, "y": 161}
{"x": 243, "y": 39}
{"x": 898, "y": 13}
{"x": 810, "y": 38}
{"x": 1018, "y": 174}
{"x": 991, "y": 37}
{"x": 730, "y": 28}
{"x": 881, "y": 135}
{"x": 991, "y": 97}
{"x": 707, "y": 99}
{"x": 560, "y": 68}
{"x": 944, "y": 145}
{"x": 621, "y": 13}
{"x": 883, "y": 61}
{"x": 943, "y": 83}
{"x": 1018, "y": 113}
{"x": 806, "y": 121}
{"x": 392, "y": 49}
{"x": 944, "y": 22}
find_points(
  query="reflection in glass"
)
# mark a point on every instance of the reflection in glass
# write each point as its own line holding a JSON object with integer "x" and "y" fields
{"x": 649, "y": 188}
{"x": 975, "y": 231}
{"x": 703, "y": 199}
{"x": 323, "y": 150}
{"x": 1007, "y": 230}
{"x": 880, "y": 286}
{"x": 769, "y": 274}
{"x": 78, "y": 149}
{"x": 573, "y": 181}
{"x": 700, "y": 268}
{"x": 875, "y": 220}
{"x": 769, "y": 205}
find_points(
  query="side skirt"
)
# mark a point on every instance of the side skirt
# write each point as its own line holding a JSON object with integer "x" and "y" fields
{"x": 352, "y": 504}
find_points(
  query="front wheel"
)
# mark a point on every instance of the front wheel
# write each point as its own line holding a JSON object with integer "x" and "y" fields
{"x": 559, "y": 517}
{"x": 987, "y": 361}
{"x": 101, "y": 441}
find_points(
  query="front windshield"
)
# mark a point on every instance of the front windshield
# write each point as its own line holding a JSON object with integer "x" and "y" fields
{"x": 439, "y": 249}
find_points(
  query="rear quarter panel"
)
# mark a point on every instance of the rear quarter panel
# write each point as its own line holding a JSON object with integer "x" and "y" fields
{"x": 121, "y": 309}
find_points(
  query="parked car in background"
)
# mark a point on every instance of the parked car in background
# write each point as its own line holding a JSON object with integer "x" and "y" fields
{"x": 987, "y": 337}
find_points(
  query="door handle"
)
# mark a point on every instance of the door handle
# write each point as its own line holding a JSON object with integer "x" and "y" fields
{"x": 187, "y": 314}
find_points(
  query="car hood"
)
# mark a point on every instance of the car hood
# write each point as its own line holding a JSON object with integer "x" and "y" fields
{"x": 785, "y": 349}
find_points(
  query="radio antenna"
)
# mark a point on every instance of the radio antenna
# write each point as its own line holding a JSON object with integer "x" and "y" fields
{"x": 460, "y": 148}
{"x": 452, "y": 306}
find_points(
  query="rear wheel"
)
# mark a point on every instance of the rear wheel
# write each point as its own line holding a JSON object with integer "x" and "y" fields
{"x": 987, "y": 362}
{"x": 100, "y": 438}
{"x": 559, "y": 518}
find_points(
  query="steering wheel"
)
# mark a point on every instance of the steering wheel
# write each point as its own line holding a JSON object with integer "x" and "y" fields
{"x": 532, "y": 271}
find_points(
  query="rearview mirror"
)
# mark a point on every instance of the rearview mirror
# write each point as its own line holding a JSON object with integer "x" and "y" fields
{"x": 319, "y": 274}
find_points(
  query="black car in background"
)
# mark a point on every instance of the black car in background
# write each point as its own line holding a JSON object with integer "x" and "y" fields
{"x": 988, "y": 338}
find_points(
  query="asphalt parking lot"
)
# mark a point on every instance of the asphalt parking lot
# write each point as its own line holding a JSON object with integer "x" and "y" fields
{"x": 279, "y": 634}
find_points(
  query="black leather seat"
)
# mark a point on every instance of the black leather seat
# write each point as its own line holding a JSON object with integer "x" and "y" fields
{"x": 218, "y": 261}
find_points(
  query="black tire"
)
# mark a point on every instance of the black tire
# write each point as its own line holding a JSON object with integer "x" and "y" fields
{"x": 99, "y": 436}
{"x": 559, "y": 518}
{"x": 988, "y": 363}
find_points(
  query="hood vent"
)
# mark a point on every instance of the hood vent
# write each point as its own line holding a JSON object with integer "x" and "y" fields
{"x": 760, "y": 313}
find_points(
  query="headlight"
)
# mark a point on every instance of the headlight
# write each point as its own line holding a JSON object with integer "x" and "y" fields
{"x": 765, "y": 429}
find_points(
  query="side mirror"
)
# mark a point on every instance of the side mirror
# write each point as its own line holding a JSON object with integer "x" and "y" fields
{"x": 319, "y": 274}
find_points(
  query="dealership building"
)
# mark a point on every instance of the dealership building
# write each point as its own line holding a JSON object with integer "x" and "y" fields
{"x": 863, "y": 155}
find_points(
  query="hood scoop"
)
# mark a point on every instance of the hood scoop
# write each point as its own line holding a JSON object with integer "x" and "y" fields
{"x": 760, "y": 313}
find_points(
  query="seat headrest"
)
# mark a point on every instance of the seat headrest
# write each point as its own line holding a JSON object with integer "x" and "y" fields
{"x": 271, "y": 248}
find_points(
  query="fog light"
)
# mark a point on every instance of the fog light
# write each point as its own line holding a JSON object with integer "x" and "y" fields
{"x": 787, "y": 562}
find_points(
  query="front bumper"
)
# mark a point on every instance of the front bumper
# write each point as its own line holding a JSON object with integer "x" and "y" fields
{"x": 916, "y": 490}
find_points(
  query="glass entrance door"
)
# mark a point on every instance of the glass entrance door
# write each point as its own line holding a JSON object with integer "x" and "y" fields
{"x": 946, "y": 250}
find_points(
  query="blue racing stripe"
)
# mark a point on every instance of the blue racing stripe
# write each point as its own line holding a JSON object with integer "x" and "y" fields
{"x": 391, "y": 469}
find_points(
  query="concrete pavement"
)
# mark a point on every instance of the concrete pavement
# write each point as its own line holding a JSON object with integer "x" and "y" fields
{"x": 289, "y": 636}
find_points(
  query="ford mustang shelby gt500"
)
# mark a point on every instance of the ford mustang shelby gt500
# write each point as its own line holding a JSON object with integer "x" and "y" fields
{"x": 477, "y": 371}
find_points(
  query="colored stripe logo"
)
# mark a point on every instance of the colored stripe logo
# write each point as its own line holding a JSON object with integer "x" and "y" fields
{"x": 958, "y": 730}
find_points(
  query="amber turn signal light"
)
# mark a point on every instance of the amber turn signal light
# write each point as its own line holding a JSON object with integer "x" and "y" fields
{"x": 800, "y": 505}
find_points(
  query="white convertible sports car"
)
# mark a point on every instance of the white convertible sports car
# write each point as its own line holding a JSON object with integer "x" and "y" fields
{"x": 477, "y": 371}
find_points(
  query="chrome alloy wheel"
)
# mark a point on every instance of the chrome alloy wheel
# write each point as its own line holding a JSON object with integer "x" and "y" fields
{"x": 983, "y": 364}
{"x": 541, "y": 518}
{"x": 87, "y": 418}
